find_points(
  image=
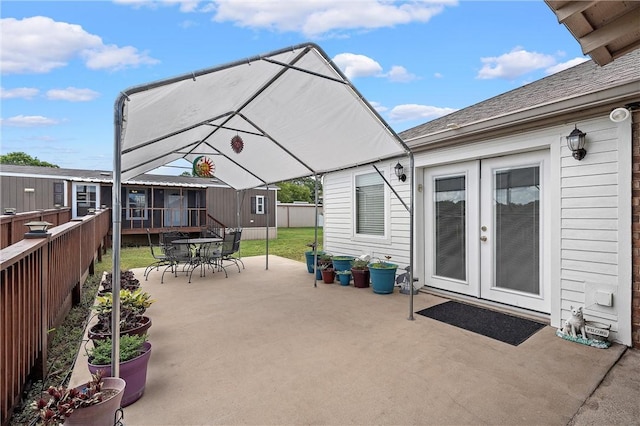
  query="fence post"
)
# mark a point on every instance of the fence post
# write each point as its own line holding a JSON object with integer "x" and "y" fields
{"x": 40, "y": 367}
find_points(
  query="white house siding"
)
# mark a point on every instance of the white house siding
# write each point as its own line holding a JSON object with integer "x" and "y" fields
{"x": 339, "y": 218}
{"x": 589, "y": 247}
{"x": 596, "y": 223}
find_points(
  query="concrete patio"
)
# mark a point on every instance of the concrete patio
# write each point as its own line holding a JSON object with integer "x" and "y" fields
{"x": 264, "y": 347}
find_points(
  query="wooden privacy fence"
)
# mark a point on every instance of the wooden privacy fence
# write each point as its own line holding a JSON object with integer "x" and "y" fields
{"x": 12, "y": 227}
{"x": 40, "y": 280}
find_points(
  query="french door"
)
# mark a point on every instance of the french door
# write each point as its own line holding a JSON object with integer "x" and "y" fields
{"x": 485, "y": 229}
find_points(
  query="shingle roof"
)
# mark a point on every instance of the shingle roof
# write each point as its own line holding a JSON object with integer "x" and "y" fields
{"x": 105, "y": 176}
{"x": 579, "y": 80}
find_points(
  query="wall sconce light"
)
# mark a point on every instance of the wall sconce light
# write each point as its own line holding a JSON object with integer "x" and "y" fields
{"x": 619, "y": 115}
{"x": 9, "y": 211}
{"x": 37, "y": 229}
{"x": 29, "y": 190}
{"x": 575, "y": 142}
{"x": 400, "y": 172}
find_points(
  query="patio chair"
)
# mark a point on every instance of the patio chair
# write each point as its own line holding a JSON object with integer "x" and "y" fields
{"x": 159, "y": 255}
{"x": 211, "y": 255}
{"x": 231, "y": 245}
{"x": 178, "y": 254}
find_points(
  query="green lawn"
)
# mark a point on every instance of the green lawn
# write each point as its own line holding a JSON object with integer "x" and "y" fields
{"x": 291, "y": 243}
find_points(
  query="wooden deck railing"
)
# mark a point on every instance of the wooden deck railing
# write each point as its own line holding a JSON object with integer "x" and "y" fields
{"x": 12, "y": 227}
{"x": 40, "y": 280}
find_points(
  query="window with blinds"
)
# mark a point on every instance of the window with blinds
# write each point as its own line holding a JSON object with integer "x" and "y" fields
{"x": 370, "y": 204}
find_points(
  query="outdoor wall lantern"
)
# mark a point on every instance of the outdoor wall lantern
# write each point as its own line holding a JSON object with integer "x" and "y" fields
{"x": 400, "y": 172}
{"x": 575, "y": 142}
{"x": 37, "y": 229}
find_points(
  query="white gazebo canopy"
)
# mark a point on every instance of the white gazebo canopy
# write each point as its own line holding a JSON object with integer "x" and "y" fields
{"x": 296, "y": 112}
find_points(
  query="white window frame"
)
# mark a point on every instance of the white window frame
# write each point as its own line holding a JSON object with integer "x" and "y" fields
{"x": 370, "y": 237}
{"x": 74, "y": 196}
{"x": 259, "y": 204}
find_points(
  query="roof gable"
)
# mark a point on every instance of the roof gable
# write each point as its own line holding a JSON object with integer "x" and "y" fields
{"x": 580, "y": 80}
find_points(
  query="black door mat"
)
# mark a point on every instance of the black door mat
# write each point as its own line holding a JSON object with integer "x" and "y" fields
{"x": 497, "y": 325}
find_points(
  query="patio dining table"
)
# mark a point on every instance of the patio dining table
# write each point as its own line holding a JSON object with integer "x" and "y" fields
{"x": 203, "y": 254}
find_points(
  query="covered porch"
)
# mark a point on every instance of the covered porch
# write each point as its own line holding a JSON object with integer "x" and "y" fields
{"x": 266, "y": 347}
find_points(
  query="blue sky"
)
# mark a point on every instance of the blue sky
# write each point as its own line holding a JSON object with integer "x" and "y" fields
{"x": 64, "y": 63}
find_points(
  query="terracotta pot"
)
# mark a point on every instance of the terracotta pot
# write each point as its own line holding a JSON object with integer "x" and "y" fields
{"x": 328, "y": 276}
{"x": 103, "y": 413}
{"x": 134, "y": 372}
{"x": 360, "y": 278}
{"x": 139, "y": 331}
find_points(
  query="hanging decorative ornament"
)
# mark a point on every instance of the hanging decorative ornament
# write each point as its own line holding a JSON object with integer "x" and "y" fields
{"x": 237, "y": 144}
{"x": 203, "y": 167}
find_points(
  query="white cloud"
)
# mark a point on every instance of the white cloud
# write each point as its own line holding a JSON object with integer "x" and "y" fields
{"x": 353, "y": 66}
{"x": 378, "y": 107}
{"x": 414, "y": 112}
{"x": 514, "y": 64}
{"x": 400, "y": 74}
{"x": 40, "y": 45}
{"x": 19, "y": 93}
{"x": 315, "y": 18}
{"x": 564, "y": 65}
{"x": 357, "y": 65}
{"x": 115, "y": 58}
{"x": 438, "y": 75}
{"x": 28, "y": 121}
{"x": 185, "y": 5}
{"x": 72, "y": 94}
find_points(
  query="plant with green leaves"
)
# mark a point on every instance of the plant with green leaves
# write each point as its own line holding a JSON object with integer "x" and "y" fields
{"x": 131, "y": 346}
{"x": 359, "y": 264}
{"x": 133, "y": 305}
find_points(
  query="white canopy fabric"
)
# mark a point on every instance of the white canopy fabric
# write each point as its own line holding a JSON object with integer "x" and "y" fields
{"x": 296, "y": 112}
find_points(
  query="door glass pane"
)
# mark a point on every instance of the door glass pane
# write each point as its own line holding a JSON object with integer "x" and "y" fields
{"x": 450, "y": 227}
{"x": 85, "y": 199}
{"x": 517, "y": 227}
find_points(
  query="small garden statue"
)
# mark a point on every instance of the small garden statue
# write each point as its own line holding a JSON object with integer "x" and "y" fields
{"x": 575, "y": 323}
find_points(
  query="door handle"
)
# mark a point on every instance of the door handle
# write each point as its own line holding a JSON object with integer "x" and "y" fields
{"x": 483, "y": 238}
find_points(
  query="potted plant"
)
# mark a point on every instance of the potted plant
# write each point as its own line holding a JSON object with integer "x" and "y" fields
{"x": 310, "y": 255}
{"x": 342, "y": 263}
{"x": 128, "y": 281}
{"x": 135, "y": 352}
{"x": 92, "y": 404}
{"x": 383, "y": 276}
{"x": 344, "y": 277}
{"x": 328, "y": 273}
{"x": 133, "y": 305}
{"x": 360, "y": 273}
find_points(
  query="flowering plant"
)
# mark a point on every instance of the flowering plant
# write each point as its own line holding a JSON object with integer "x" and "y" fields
{"x": 59, "y": 402}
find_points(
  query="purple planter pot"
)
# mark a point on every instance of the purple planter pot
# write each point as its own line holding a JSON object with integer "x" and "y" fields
{"x": 144, "y": 326}
{"x": 134, "y": 372}
{"x": 102, "y": 413}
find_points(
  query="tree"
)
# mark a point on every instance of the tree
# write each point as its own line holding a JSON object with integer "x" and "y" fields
{"x": 23, "y": 159}
{"x": 302, "y": 189}
{"x": 186, "y": 173}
